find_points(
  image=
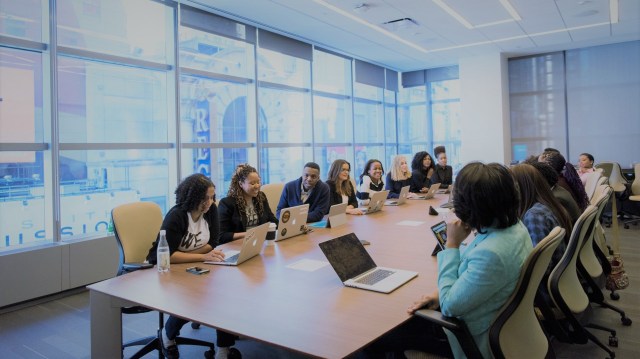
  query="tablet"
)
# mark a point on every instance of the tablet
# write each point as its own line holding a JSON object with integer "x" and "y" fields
{"x": 440, "y": 232}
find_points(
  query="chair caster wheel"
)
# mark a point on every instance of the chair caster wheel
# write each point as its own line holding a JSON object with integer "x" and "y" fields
{"x": 626, "y": 321}
{"x": 614, "y": 296}
{"x": 210, "y": 354}
{"x": 195, "y": 325}
{"x": 613, "y": 341}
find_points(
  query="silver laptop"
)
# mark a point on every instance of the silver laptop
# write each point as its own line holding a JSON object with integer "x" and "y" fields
{"x": 337, "y": 216}
{"x": 356, "y": 268}
{"x": 430, "y": 193}
{"x": 292, "y": 222}
{"x": 376, "y": 202}
{"x": 251, "y": 246}
{"x": 445, "y": 190}
{"x": 402, "y": 197}
{"x": 449, "y": 204}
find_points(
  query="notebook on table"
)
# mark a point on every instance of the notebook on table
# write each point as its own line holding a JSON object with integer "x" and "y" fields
{"x": 356, "y": 268}
{"x": 292, "y": 222}
{"x": 402, "y": 198}
{"x": 251, "y": 246}
{"x": 376, "y": 202}
{"x": 337, "y": 216}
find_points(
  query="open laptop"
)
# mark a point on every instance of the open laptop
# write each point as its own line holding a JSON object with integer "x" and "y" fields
{"x": 449, "y": 204}
{"x": 356, "y": 268}
{"x": 292, "y": 222}
{"x": 429, "y": 194}
{"x": 445, "y": 190}
{"x": 376, "y": 202}
{"x": 337, "y": 216}
{"x": 402, "y": 197}
{"x": 251, "y": 246}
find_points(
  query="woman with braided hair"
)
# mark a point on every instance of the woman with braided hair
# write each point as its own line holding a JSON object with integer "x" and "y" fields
{"x": 568, "y": 178}
{"x": 245, "y": 205}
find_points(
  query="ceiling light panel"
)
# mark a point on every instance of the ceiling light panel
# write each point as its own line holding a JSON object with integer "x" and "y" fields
{"x": 479, "y": 12}
{"x": 581, "y": 13}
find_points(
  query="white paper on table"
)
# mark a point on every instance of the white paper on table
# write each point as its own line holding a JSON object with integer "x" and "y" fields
{"x": 443, "y": 210}
{"x": 410, "y": 223}
{"x": 308, "y": 265}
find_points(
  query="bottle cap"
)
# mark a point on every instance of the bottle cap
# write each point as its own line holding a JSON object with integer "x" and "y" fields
{"x": 163, "y": 232}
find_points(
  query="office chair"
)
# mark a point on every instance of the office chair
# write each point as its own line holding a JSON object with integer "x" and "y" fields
{"x": 567, "y": 293}
{"x": 516, "y": 325}
{"x": 593, "y": 265}
{"x": 618, "y": 182}
{"x": 273, "y": 191}
{"x": 592, "y": 183}
{"x": 136, "y": 226}
{"x": 634, "y": 198}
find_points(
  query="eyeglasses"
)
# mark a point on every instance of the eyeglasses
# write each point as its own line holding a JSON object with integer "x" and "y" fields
{"x": 345, "y": 170}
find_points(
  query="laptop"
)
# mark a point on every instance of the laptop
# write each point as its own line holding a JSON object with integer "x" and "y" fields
{"x": 292, "y": 222}
{"x": 445, "y": 190}
{"x": 376, "y": 202}
{"x": 337, "y": 216}
{"x": 449, "y": 204}
{"x": 251, "y": 246}
{"x": 432, "y": 191}
{"x": 402, "y": 197}
{"x": 356, "y": 268}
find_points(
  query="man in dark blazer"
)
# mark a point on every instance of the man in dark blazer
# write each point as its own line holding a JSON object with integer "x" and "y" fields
{"x": 307, "y": 189}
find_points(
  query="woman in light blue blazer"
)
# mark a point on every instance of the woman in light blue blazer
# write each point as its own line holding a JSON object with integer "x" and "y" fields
{"x": 476, "y": 280}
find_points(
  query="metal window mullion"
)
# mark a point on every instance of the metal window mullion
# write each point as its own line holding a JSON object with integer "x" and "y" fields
{"x": 55, "y": 126}
{"x": 353, "y": 113}
{"x": 176, "y": 75}
{"x": 429, "y": 119}
{"x": 256, "y": 91}
{"x": 313, "y": 117}
{"x": 112, "y": 59}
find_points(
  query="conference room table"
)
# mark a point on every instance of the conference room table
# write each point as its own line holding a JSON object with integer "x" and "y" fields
{"x": 277, "y": 298}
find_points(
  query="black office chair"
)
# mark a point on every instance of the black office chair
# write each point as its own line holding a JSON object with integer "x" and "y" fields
{"x": 136, "y": 226}
{"x": 516, "y": 325}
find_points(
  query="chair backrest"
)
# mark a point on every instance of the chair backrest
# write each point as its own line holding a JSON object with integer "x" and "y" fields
{"x": 635, "y": 186}
{"x": 614, "y": 172}
{"x": 592, "y": 183}
{"x": 516, "y": 325}
{"x": 564, "y": 285}
{"x": 273, "y": 191}
{"x": 603, "y": 180}
{"x": 136, "y": 226}
{"x": 588, "y": 257}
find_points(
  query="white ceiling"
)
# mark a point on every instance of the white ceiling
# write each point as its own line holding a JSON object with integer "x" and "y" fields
{"x": 437, "y": 37}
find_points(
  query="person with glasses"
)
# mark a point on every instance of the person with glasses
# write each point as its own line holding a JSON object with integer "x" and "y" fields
{"x": 306, "y": 189}
{"x": 192, "y": 230}
{"x": 340, "y": 188}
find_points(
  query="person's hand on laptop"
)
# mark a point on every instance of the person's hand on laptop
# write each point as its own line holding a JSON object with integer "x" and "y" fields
{"x": 427, "y": 301}
{"x": 215, "y": 255}
{"x": 355, "y": 211}
{"x": 457, "y": 231}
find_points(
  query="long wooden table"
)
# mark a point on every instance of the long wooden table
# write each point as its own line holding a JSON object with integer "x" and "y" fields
{"x": 308, "y": 312}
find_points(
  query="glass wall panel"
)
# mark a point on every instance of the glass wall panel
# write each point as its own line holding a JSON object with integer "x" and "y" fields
{"x": 216, "y": 54}
{"x": 331, "y": 73}
{"x": 22, "y": 19}
{"x": 285, "y": 116}
{"x": 21, "y": 116}
{"x": 139, "y": 29}
{"x": 282, "y": 69}
{"x": 105, "y": 103}
{"x": 325, "y": 155}
{"x": 332, "y": 119}
{"x": 283, "y": 164}
{"x": 23, "y": 211}
{"x": 95, "y": 181}
{"x": 217, "y": 163}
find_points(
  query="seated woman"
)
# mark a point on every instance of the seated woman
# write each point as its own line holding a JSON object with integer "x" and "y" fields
{"x": 585, "y": 167}
{"x": 539, "y": 210}
{"x": 192, "y": 233}
{"x": 442, "y": 173}
{"x": 561, "y": 195}
{"x": 370, "y": 181}
{"x": 473, "y": 282}
{"x": 245, "y": 205}
{"x": 567, "y": 177}
{"x": 340, "y": 187}
{"x": 422, "y": 169}
{"x": 398, "y": 177}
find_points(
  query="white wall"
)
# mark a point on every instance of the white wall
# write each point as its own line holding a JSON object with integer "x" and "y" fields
{"x": 484, "y": 97}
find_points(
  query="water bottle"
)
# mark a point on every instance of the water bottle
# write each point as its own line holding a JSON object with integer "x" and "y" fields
{"x": 163, "y": 255}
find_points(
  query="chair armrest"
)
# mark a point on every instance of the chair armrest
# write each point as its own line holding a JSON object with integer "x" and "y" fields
{"x": 436, "y": 317}
{"x": 131, "y": 267}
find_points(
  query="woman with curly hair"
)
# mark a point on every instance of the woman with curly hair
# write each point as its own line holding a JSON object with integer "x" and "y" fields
{"x": 245, "y": 205}
{"x": 192, "y": 230}
{"x": 422, "y": 167}
{"x": 568, "y": 178}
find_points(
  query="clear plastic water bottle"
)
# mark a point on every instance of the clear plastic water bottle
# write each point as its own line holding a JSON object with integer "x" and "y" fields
{"x": 163, "y": 255}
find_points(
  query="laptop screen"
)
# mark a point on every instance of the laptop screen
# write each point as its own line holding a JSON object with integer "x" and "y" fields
{"x": 347, "y": 256}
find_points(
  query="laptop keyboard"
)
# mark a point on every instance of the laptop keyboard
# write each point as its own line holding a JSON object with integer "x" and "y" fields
{"x": 375, "y": 276}
{"x": 232, "y": 258}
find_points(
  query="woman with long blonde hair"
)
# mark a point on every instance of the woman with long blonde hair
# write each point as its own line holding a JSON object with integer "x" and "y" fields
{"x": 398, "y": 177}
